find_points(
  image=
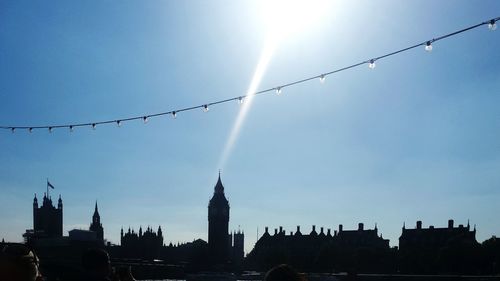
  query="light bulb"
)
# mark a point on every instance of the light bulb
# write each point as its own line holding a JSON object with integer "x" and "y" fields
{"x": 278, "y": 90}
{"x": 50, "y": 129}
{"x": 174, "y": 114}
{"x": 205, "y": 108}
{"x": 492, "y": 25}
{"x": 93, "y": 126}
{"x": 322, "y": 78}
{"x": 240, "y": 100}
{"x": 428, "y": 46}
{"x": 30, "y": 130}
{"x": 371, "y": 64}
{"x": 118, "y": 123}
{"x": 71, "y": 128}
{"x": 145, "y": 119}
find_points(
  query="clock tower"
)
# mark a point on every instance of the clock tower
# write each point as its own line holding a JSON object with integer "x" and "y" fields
{"x": 218, "y": 225}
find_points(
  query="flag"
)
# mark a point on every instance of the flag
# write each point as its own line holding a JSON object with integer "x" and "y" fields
{"x": 49, "y": 184}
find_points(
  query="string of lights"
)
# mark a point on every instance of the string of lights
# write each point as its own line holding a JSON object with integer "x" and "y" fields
{"x": 491, "y": 24}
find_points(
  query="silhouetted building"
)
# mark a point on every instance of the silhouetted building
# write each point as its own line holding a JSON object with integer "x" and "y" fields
{"x": 438, "y": 250}
{"x": 47, "y": 219}
{"x": 362, "y": 248}
{"x": 96, "y": 225}
{"x": 82, "y": 235}
{"x": 145, "y": 245}
{"x": 434, "y": 237}
{"x": 193, "y": 254}
{"x": 218, "y": 228}
{"x": 238, "y": 247}
{"x": 362, "y": 237}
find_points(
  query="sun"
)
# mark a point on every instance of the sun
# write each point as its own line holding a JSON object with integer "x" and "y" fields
{"x": 284, "y": 18}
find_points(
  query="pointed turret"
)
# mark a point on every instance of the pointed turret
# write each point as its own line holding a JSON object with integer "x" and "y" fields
{"x": 219, "y": 188}
{"x": 96, "y": 218}
{"x": 35, "y": 202}
{"x": 59, "y": 202}
{"x": 96, "y": 224}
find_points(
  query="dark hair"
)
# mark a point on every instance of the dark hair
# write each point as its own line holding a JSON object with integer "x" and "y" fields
{"x": 22, "y": 258}
{"x": 283, "y": 272}
{"x": 95, "y": 259}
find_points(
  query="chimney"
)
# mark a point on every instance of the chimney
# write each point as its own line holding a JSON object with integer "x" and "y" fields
{"x": 450, "y": 224}
{"x": 340, "y": 228}
{"x": 360, "y": 226}
{"x": 335, "y": 233}
{"x": 267, "y": 229}
{"x": 281, "y": 229}
{"x": 298, "y": 228}
{"x": 275, "y": 231}
{"x": 419, "y": 224}
{"x": 329, "y": 232}
{"x": 321, "y": 230}
{"x": 314, "y": 228}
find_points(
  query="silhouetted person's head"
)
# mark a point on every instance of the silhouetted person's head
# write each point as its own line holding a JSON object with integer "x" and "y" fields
{"x": 283, "y": 272}
{"x": 95, "y": 262}
{"x": 18, "y": 263}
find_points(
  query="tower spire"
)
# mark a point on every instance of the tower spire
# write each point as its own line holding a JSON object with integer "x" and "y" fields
{"x": 219, "y": 188}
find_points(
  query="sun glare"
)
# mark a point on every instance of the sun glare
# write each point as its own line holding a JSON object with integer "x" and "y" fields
{"x": 282, "y": 19}
{"x": 285, "y": 18}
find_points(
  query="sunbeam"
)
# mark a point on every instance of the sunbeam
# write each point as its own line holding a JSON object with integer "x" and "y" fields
{"x": 282, "y": 19}
{"x": 264, "y": 60}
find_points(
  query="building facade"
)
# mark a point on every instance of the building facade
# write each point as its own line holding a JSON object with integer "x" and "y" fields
{"x": 434, "y": 238}
{"x": 47, "y": 219}
{"x": 439, "y": 249}
{"x": 96, "y": 225}
{"x": 321, "y": 250}
{"x": 145, "y": 245}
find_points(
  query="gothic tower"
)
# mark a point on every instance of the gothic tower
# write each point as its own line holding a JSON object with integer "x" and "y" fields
{"x": 96, "y": 224}
{"x": 218, "y": 220}
{"x": 239, "y": 247}
{"x": 47, "y": 219}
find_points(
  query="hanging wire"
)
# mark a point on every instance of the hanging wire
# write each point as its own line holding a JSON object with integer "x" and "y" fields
{"x": 491, "y": 23}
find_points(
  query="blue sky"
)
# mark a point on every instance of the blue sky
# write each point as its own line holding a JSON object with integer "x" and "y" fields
{"x": 417, "y": 138}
